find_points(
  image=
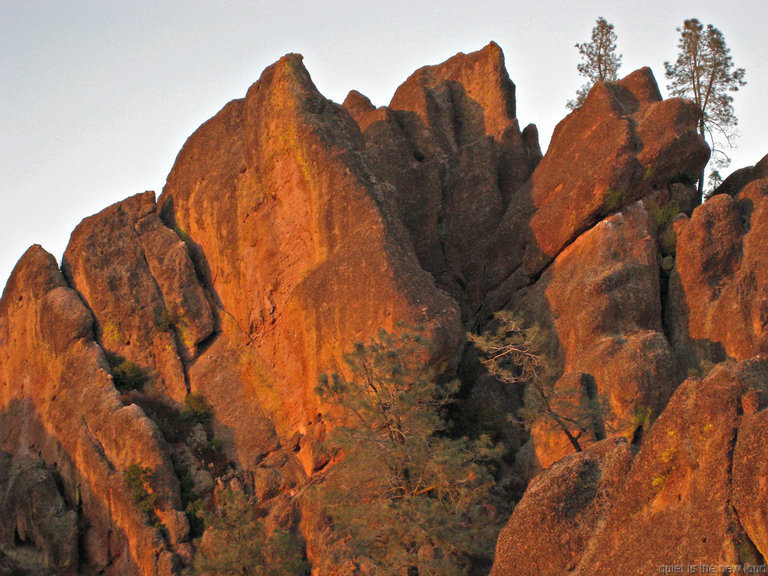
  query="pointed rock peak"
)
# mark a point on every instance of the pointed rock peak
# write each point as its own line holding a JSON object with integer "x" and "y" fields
{"x": 35, "y": 273}
{"x": 642, "y": 84}
{"x": 474, "y": 86}
{"x": 358, "y": 102}
{"x": 288, "y": 84}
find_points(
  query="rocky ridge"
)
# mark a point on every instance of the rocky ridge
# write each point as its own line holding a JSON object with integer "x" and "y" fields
{"x": 292, "y": 227}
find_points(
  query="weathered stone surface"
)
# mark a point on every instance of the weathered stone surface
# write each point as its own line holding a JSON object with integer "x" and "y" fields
{"x": 36, "y": 525}
{"x": 136, "y": 277}
{"x": 678, "y": 500}
{"x": 561, "y": 511}
{"x": 600, "y": 301}
{"x": 303, "y": 252}
{"x": 750, "y": 493}
{"x": 450, "y": 145}
{"x": 738, "y": 179}
{"x": 575, "y": 395}
{"x": 57, "y": 401}
{"x": 617, "y": 148}
{"x": 719, "y": 295}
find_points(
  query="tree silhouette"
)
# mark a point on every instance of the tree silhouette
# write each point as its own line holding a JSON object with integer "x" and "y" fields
{"x": 600, "y": 62}
{"x": 705, "y": 73}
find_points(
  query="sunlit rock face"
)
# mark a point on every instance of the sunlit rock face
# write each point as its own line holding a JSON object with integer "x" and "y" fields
{"x": 292, "y": 228}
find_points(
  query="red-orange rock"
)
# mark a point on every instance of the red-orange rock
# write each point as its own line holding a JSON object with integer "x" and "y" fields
{"x": 305, "y": 256}
{"x": 138, "y": 280}
{"x": 610, "y": 152}
{"x": 719, "y": 294}
{"x": 562, "y": 509}
{"x": 451, "y": 147}
{"x": 600, "y": 301}
{"x": 677, "y": 500}
{"x": 57, "y": 401}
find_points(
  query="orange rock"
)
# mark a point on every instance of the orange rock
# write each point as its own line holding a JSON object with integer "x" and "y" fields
{"x": 304, "y": 254}
{"x": 57, "y": 401}
{"x": 451, "y": 147}
{"x": 719, "y": 299}
{"x": 610, "y": 152}
{"x": 136, "y": 277}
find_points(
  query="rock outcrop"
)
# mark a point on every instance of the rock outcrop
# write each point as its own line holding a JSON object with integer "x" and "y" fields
{"x": 718, "y": 298}
{"x": 57, "y": 402}
{"x": 292, "y": 228}
{"x": 451, "y": 147}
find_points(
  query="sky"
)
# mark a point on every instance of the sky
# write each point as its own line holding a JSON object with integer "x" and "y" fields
{"x": 97, "y": 97}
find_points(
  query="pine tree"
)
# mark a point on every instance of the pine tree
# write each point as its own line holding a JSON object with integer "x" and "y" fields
{"x": 705, "y": 73}
{"x": 407, "y": 495}
{"x": 235, "y": 543}
{"x": 600, "y": 63}
{"x": 513, "y": 355}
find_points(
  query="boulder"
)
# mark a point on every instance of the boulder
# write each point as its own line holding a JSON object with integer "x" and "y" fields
{"x": 678, "y": 499}
{"x": 561, "y": 510}
{"x": 623, "y": 143}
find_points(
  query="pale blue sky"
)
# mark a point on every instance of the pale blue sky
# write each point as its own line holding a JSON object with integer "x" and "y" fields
{"x": 98, "y": 97}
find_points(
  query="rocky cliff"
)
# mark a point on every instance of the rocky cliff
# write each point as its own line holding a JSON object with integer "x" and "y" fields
{"x": 292, "y": 227}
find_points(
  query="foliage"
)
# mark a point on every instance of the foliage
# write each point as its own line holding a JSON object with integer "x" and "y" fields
{"x": 514, "y": 356}
{"x": 196, "y": 410}
{"x": 705, "y": 73}
{"x": 407, "y": 497}
{"x": 126, "y": 375}
{"x": 600, "y": 62}
{"x": 237, "y": 544}
{"x": 139, "y": 480}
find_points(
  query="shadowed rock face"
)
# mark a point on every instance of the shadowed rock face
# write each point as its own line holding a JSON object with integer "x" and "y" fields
{"x": 291, "y": 228}
{"x": 451, "y": 147}
{"x": 36, "y": 522}
{"x": 719, "y": 303}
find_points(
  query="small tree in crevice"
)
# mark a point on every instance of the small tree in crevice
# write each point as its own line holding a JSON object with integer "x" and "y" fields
{"x": 513, "y": 355}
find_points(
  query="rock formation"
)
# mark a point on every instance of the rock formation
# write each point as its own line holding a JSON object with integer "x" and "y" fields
{"x": 291, "y": 228}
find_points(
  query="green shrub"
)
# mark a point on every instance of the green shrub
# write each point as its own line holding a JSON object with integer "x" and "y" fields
{"x": 196, "y": 410}
{"x": 139, "y": 480}
{"x": 126, "y": 375}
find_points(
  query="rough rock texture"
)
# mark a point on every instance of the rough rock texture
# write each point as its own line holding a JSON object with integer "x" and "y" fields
{"x": 291, "y": 228}
{"x": 680, "y": 503}
{"x": 624, "y": 142}
{"x": 678, "y": 497}
{"x": 750, "y": 496}
{"x": 303, "y": 253}
{"x": 138, "y": 280}
{"x": 719, "y": 287}
{"x": 36, "y": 525}
{"x": 57, "y": 401}
{"x": 563, "y": 507}
{"x": 451, "y": 147}
{"x": 610, "y": 327}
